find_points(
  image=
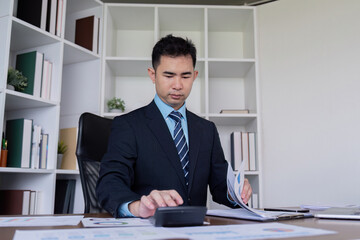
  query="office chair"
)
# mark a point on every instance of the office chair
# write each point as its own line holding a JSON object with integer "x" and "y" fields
{"x": 93, "y": 136}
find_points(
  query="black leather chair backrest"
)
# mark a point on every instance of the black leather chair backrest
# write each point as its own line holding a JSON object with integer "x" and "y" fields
{"x": 93, "y": 136}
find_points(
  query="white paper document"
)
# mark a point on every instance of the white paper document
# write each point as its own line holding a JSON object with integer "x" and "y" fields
{"x": 249, "y": 231}
{"x": 115, "y": 222}
{"x": 34, "y": 221}
{"x": 139, "y": 233}
{"x": 244, "y": 231}
{"x": 235, "y": 185}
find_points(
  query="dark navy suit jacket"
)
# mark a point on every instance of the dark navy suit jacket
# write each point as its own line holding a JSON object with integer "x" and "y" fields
{"x": 142, "y": 157}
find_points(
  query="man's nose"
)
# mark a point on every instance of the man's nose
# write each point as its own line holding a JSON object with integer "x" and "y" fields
{"x": 177, "y": 83}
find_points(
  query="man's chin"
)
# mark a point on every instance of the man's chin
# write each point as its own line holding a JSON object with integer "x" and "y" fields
{"x": 176, "y": 104}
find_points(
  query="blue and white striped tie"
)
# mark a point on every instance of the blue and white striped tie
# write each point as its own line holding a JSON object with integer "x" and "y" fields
{"x": 180, "y": 143}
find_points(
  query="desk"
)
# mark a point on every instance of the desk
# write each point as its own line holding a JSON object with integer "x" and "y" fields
{"x": 346, "y": 229}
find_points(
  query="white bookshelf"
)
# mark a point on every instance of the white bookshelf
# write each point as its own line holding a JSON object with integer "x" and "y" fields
{"x": 225, "y": 38}
{"x": 74, "y": 68}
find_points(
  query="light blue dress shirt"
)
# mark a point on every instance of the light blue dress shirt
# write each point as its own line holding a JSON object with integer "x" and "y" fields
{"x": 165, "y": 111}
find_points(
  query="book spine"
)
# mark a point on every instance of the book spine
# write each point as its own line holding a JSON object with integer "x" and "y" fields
{"x": 59, "y": 18}
{"x": 32, "y": 202}
{"x": 44, "y": 151}
{"x": 26, "y": 203}
{"x": 44, "y": 9}
{"x": 38, "y": 74}
{"x": 29, "y": 11}
{"x": 14, "y": 134}
{"x": 27, "y": 144}
{"x": 255, "y": 200}
{"x": 245, "y": 149}
{"x": 252, "y": 151}
{"x": 52, "y": 21}
{"x": 95, "y": 34}
{"x": 49, "y": 80}
{"x": 235, "y": 150}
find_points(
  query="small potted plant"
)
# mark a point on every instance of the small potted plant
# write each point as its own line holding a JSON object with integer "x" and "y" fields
{"x": 116, "y": 105}
{"x": 62, "y": 148}
{"x": 16, "y": 81}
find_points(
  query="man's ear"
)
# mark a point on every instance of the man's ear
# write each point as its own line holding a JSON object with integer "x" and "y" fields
{"x": 195, "y": 74}
{"x": 151, "y": 73}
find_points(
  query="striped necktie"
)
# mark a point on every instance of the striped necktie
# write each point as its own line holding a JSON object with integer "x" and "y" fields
{"x": 180, "y": 143}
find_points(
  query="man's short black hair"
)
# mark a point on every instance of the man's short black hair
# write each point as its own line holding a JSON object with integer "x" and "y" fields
{"x": 173, "y": 47}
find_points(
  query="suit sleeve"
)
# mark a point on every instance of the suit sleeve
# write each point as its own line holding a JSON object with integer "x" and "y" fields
{"x": 218, "y": 172}
{"x": 117, "y": 168}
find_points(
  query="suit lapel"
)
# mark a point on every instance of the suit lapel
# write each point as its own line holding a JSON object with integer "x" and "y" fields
{"x": 159, "y": 128}
{"x": 194, "y": 130}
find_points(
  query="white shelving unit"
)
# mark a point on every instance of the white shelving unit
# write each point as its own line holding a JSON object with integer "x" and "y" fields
{"x": 70, "y": 62}
{"x": 225, "y": 38}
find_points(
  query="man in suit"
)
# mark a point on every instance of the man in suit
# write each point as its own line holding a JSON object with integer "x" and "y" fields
{"x": 162, "y": 154}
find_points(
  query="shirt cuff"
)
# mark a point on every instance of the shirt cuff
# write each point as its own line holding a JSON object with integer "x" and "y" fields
{"x": 124, "y": 210}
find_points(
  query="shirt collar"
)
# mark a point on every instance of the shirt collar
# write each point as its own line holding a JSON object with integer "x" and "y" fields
{"x": 166, "y": 109}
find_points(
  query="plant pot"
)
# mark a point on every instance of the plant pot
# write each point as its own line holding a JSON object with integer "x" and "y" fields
{"x": 115, "y": 110}
{"x": 10, "y": 87}
{"x": 3, "y": 157}
{"x": 59, "y": 160}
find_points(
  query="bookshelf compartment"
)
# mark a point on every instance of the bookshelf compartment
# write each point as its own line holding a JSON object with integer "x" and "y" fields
{"x": 127, "y": 34}
{"x": 78, "y": 198}
{"x": 41, "y": 182}
{"x": 47, "y": 118}
{"x": 81, "y": 9}
{"x": 128, "y": 80}
{"x": 229, "y": 83}
{"x": 75, "y": 100}
{"x": 231, "y": 33}
{"x": 191, "y": 26}
{"x": 52, "y": 53}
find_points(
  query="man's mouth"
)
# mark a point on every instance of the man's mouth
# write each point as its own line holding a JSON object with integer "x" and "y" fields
{"x": 176, "y": 96}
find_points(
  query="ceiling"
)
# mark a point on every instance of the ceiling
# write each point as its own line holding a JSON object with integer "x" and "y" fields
{"x": 196, "y": 2}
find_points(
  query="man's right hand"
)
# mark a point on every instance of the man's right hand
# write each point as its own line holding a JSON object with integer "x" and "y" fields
{"x": 147, "y": 205}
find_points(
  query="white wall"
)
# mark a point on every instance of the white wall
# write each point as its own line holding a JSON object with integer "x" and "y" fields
{"x": 309, "y": 54}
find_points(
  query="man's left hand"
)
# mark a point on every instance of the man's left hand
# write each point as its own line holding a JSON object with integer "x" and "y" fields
{"x": 246, "y": 191}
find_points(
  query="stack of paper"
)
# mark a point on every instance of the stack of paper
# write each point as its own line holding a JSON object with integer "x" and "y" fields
{"x": 235, "y": 186}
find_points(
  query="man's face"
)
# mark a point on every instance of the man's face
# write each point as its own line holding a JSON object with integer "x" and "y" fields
{"x": 173, "y": 79}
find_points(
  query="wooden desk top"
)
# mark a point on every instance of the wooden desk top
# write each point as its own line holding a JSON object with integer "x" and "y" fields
{"x": 346, "y": 229}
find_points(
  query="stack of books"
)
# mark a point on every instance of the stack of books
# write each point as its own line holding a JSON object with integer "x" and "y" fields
{"x": 87, "y": 33}
{"x": 27, "y": 144}
{"x": 45, "y": 14}
{"x": 19, "y": 202}
{"x": 243, "y": 148}
{"x": 38, "y": 72}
